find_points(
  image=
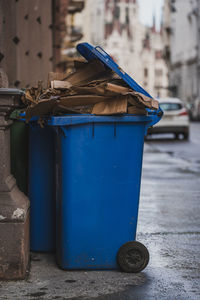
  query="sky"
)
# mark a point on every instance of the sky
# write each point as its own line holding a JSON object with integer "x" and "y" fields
{"x": 148, "y": 8}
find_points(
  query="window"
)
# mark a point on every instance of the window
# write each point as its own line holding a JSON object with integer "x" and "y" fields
{"x": 145, "y": 72}
{"x": 116, "y": 12}
{"x": 127, "y": 15}
{"x": 170, "y": 106}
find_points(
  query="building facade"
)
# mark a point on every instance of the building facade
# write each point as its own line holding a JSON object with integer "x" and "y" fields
{"x": 181, "y": 24}
{"x": 123, "y": 35}
{"x": 93, "y": 21}
{"x": 138, "y": 49}
{"x": 155, "y": 70}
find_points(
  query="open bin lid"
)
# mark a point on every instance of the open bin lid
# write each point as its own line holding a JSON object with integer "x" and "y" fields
{"x": 90, "y": 52}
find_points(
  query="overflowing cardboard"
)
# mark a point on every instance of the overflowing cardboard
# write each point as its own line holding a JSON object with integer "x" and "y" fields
{"x": 112, "y": 107}
{"x": 91, "y": 88}
{"x": 58, "y": 84}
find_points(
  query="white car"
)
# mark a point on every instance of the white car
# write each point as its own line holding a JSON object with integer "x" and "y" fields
{"x": 174, "y": 120}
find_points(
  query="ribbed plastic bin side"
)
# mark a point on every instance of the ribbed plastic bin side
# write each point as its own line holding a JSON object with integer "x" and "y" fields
{"x": 42, "y": 188}
{"x": 99, "y": 163}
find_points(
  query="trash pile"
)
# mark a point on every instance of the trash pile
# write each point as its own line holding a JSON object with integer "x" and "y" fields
{"x": 91, "y": 89}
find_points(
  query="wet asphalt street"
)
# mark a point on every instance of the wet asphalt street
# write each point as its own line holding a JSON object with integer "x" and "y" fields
{"x": 169, "y": 225}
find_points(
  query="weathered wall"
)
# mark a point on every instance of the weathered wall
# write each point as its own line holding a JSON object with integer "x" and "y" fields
{"x": 26, "y": 51}
{"x": 59, "y": 12}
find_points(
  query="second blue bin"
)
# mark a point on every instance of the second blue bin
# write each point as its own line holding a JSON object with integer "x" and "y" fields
{"x": 42, "y": 188}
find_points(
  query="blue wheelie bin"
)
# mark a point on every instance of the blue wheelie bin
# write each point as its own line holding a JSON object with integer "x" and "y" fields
{"x": 98, "y": 170}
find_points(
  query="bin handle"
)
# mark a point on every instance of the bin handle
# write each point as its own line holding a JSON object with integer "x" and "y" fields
{"x": 107, "y": 58}
{"x": 102, "y": 51}
{"x": 156, "y": 116}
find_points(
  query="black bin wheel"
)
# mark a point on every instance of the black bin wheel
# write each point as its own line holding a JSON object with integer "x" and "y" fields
{"x": 132, "y": 257}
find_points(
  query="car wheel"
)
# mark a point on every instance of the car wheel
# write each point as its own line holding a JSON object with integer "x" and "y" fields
{"x": 176, "y": 136}
{"x": 186, "y": 136}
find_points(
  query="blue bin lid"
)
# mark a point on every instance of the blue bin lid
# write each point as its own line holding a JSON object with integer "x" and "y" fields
{"x": 90, "y": 52}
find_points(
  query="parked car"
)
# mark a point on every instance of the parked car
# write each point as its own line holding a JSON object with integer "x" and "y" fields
{"x": 175, "y": 118}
